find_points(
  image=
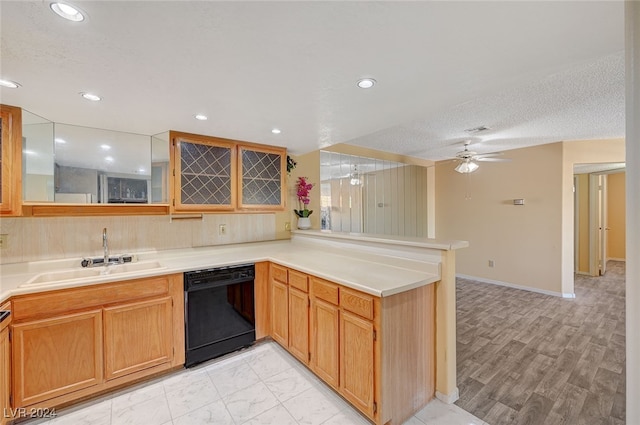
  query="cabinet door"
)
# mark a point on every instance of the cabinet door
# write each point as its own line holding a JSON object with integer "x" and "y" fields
{"x": 357, "y": 361}
{"x": 5, "y": 375}
{"x": 137, "y": 336}
{"x": 299, "y": 324}
{"x": 10, "y": 160}
{"x": 280, "y": 312}
{"x": 324, "y": 349}
{"x": 205, "y": 173}
{"x": 262, "y": 172}
{"x": 56, "y": 356}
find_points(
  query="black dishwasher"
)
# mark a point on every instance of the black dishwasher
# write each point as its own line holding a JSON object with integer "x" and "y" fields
{"x": 219, "y": 311}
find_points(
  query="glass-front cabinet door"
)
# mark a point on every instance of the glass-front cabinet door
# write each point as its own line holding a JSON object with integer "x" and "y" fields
{"x": 262, "y": 171}
{"x": 205, "y": 173}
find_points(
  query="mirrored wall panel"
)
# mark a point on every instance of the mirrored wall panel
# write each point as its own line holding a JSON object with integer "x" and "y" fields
{"x": 368, "y": 195}
{"x": 81, "y": 165}
{"x": 37, "y": 158}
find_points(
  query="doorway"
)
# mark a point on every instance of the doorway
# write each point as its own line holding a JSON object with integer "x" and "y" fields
{"x": 599, "y": 204}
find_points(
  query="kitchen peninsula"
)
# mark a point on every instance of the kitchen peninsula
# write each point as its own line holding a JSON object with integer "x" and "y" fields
{"x": 376, "y": 321}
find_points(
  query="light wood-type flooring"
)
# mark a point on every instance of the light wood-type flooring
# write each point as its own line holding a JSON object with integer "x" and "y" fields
{"x": 529, "y": 358}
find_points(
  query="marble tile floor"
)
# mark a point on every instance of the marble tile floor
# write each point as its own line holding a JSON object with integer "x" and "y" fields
{"x": 259, "y": 385}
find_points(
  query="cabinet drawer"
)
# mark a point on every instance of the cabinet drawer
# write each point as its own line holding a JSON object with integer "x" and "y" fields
{"x": 298, "y": 280}
{"x": 324, "y": 290}
{"x": 357, "y": 302}
{"x": 279, "y": 273}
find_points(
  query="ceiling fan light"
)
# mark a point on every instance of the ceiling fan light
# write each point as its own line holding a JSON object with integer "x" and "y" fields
{"x": 466, "y": 167}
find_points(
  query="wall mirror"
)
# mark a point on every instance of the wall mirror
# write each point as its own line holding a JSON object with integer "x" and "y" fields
{"x": 70, "y": 164}
{"x": 368, "y": 195}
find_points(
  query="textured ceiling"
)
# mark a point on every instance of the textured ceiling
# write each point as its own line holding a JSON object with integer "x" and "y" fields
{"x": 535, "y": 72}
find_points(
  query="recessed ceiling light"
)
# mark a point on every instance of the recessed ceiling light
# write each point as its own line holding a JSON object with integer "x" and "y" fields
{"x": 276, "y": 131}
{"x": 10, "y": 84}
{"x": 105, "y": 147}
{"x": 91, "y": 96}
{"x": 67, "y": 11}
{"x": 201, "y": 117}
{"x": 61, "y": 141}
{"x": 108, "y": 158}
{"x": 366, "y": 83}
{"x": 141, "y": 170}
{"x": 29, "y": 152}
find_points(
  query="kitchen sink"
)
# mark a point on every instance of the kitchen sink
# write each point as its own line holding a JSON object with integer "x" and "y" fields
{"x": 73, "y": 274}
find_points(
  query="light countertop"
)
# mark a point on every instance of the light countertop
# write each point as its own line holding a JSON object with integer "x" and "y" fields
{"x": 379, "y": 275}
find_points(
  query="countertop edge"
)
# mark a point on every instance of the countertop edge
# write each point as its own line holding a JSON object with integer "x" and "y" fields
{"x": 224, "y": 255}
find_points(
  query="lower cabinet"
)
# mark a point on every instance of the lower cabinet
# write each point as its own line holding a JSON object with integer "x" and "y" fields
{"x": 137, "y": 336}
{"x": 357, "y": 365}
{"x": 332, "y": 334}
{"x": 325, "y": 339}
{"x": 56, "y": 356}
{"x": 299, "y": 324}
{"x": 5, "y": 375}
{"x": 70, "y": 344}
{"x": 280, "y": 312}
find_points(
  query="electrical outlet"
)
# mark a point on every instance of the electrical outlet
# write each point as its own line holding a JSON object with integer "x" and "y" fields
{"x": 222, "y": 229}
{"x": 4, "y": 240}
{"x": 287, "y": 226}
{"x": 491, "y": 263}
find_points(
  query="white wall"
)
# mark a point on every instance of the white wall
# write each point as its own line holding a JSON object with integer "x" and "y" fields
{"x": 632, "y": 76}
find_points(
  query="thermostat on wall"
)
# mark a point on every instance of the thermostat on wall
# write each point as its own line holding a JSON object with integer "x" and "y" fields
{"x": 518, "y": 201}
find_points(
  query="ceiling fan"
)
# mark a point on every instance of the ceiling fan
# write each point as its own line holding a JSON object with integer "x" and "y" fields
{"x": 469, "y": 158}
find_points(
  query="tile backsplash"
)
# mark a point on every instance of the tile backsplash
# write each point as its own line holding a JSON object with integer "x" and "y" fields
{"x": 33, "y": 239}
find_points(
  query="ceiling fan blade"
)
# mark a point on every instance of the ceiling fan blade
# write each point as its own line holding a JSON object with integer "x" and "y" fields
{"x": 487, "y": 155}
{"x": 485, "y": 159}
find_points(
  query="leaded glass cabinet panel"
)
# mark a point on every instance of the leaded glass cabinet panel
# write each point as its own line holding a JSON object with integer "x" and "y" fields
{"x": 262, "y": 172}
{"x": 205, "y": 174}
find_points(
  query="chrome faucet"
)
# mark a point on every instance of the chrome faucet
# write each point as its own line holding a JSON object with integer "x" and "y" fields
{"x": 105, "y": 247}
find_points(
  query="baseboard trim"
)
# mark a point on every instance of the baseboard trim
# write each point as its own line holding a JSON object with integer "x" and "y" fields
{"x": 448, "y": 398}
{"x": 616, "y": 259}
{"x": 513, "y": 285}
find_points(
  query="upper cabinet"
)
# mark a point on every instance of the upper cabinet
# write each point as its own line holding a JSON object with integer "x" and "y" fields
{"x": 215, "y": 174}
{"x": 262, "y": 172}
{"x": 204, "y": 173}
{"x": 53, "y": 169}
{"x": 10, "y": 160}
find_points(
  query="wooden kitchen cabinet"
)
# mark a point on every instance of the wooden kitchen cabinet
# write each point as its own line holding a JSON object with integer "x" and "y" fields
{"x": 262, "y": 170}
{"x": 215, "y": 174}
{"x": 279, "y": 304}
{"x": 56, "y": 356}
{"x": 299, "y": 324}
{"x": 204, "y": 173}
{"x": 137, "y": 336}
{"x": 357, "y": 348}
{"x": 10, "y": 160}
{"x": 5, "y": 374}
{"x": 378, "y": 353}
{"x": 72, "y": 343}
{"x": 325, "y": 341}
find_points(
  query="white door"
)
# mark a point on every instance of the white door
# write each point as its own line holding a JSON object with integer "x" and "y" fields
{"x": 603, "y": 224}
